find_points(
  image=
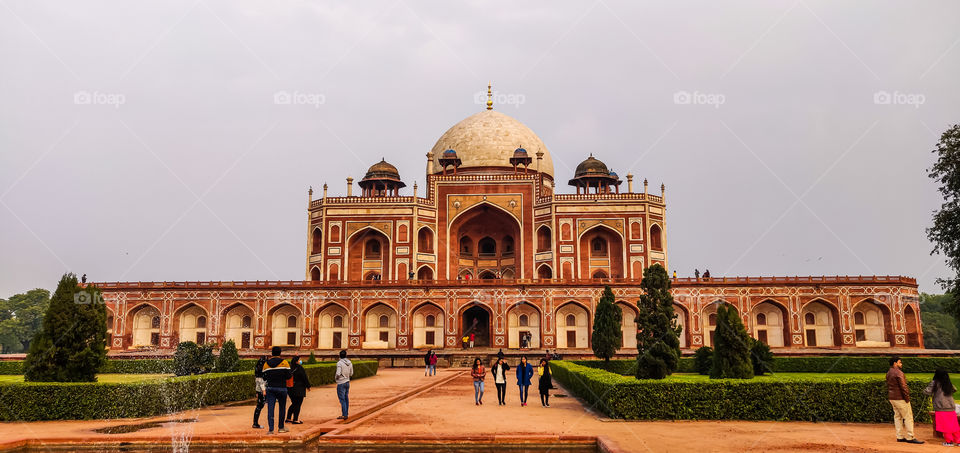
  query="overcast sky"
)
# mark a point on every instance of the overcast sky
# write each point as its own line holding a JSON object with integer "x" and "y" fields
{"x": 176, "y": 140}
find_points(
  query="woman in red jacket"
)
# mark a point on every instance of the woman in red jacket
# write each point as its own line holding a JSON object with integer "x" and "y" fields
{"x": 478, "y": 374}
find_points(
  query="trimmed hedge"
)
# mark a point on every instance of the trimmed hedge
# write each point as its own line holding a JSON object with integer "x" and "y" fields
{"x": 33, "y": 401}
{"x": 853, "y": 399}
{"x": 123, "y": 366}
{"x": 840, "y": 364}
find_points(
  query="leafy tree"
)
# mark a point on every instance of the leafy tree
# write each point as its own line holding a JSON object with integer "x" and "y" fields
{"x": 21, "y": 317}
{"x": 945, "y": 232}
{"x": 191, "y": 358}
{"x": 607, "y": 326}
{"x": 703, "y": 360}
{"x": 760, "y": 357}
{"x": 731, "y": 353}
{"x": 658, "y": 343}
{"x": 940, "y": 329}
{"x": 71, "y": 345}
{"x": 228, "y": 360}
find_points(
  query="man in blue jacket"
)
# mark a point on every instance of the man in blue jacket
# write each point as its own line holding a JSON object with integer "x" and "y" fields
{"x": 276, "y": 372}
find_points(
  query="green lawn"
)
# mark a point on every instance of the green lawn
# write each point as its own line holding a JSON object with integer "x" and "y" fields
{"x": 105, "y": 378}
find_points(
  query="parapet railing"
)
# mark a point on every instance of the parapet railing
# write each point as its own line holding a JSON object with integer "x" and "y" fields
{"x": 713, "y": 281}
{"x": 600, "y": 196}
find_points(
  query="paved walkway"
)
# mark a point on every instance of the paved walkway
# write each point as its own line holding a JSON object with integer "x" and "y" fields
{"x": 402, "y": 403}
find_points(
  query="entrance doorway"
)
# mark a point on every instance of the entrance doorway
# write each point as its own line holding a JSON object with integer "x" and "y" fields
{"x": 476, "y": 320}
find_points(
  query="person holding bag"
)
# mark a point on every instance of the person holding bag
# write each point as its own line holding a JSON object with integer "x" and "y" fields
{"x": 478, "y": 374}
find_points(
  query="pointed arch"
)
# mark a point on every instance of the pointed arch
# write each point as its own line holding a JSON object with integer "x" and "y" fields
{"x": 544, "y": 239}
{"x": 628, "y": 324}
{"x": 523, "y": 321}
{"x": 368, "y": 250}
{"x": 380, "y": 326}
{"x": 573, "y": 325}
{"x": 872, "y": 323}
{"x": 770, "y": 323}
{"x": 601, "y": 248}
{"x": 544, "y": 272}
{"x": 144, "y": 323}
{"x": 315, "y": 274}
{"x": 656, "y": 237}
{"x": 425, "y": 239}
{"x": 428, "y": 322}
{"x": 333, "y": 323}
{"x": 820, "y": 320}
{"x": 285, "y": 322}
{"x": 190, "y": 323}
{"x": 683, "y": 321}
{"x": 316, "y": 243}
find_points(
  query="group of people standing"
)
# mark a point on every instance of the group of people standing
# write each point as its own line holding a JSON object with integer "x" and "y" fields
{"x": 525, "y": 373}
{"x": 276, "y": 378}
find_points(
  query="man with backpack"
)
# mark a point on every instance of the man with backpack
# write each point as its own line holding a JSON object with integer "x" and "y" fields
{"x": 276, "y": 372}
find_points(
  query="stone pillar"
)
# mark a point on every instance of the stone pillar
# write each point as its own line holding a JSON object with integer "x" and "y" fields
{"x": 430, "y": 163}
{"x": 349, "y": 186}
{"x": 629, "y": 183}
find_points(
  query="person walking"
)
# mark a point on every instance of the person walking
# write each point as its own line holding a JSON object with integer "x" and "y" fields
{"x": 944, "y": 407}
{"x": 426, "y": 362}
{"x": 478, "y": 374}
{"x": 524, "y": 373}
{"x": 260, "y": 387}
{"x": 500, "y": 354}
{"x": 499, "y": 370}
{"x": 433, "y": 363}
{"x": 465, "y": 339}
{"x": 899, "y": 395}
{"x": 276, "y": 371}
{"x": 473, "y": 337}
{"x": 342, "y": 378}
{"x": 297, "y": 390}
{"x": 546, "y": 382}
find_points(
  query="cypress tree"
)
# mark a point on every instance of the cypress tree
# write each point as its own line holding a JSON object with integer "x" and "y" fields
{"x": 731, "y": 349}
{"x": 71, "y": 345}
{"x": 658, "y": 343}
{"x": 607, "y": 326}
{"x": 228, "y": 361}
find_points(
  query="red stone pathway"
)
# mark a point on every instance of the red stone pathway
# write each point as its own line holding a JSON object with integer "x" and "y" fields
{"x": 402, "y": 403}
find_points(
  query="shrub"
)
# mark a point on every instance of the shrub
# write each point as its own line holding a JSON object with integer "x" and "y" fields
{"x": 71, "y": 345}
{"x": 191, "y": 358}
{"x": 847, "y": 399}
{"x": 703, "y": 360}
{"x": 760, "y": 357}
{"x": 79, "y": 401}
{"x": 731, "y": 354}
{"x": 228, "y": 360}
{"x": 607, "y": 326}
{"x": 839, "y": 364}
{"x": 312, "y": 359}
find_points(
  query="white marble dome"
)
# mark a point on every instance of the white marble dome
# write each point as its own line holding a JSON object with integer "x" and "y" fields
{"x": 488, "y": 139}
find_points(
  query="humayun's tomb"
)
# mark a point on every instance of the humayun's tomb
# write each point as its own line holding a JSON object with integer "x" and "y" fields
{"x": 489, "y": 247}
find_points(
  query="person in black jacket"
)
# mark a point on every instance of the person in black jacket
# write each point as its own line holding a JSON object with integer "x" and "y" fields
{"x": 301, "y": 385}
{"x": 260, "y": 386}
{"x": 499, "y": 371}
{"x": 276, "y": 371}
{"x": 546, "y": 382}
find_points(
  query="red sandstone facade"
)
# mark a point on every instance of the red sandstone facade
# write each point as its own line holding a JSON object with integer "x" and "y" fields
{"x": 491, "y": 249}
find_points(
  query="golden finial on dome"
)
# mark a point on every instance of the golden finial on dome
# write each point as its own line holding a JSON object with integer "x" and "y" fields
{"x": 490, "y": 96}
